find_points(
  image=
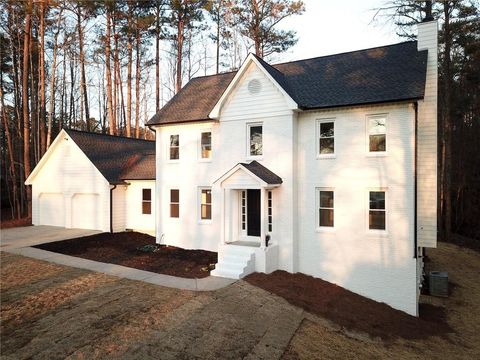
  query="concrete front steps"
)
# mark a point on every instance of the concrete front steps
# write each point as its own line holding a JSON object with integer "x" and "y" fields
{"x": 234, "y": 261}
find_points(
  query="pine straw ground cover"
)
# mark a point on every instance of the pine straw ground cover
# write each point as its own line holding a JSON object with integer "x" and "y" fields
{"x": 123, "y": 249}
{"x": 347, "y": 326}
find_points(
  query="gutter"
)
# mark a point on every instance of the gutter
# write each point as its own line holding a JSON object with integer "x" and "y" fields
{"x": 111, "y": 207}
{"x": 415, "y": 241}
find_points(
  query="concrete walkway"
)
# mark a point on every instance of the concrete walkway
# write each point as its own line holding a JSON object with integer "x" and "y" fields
{"x": 19, "y": 241}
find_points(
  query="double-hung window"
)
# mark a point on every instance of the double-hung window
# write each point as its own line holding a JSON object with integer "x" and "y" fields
{"x": 326, "y": 211}
{"x": 255, "y": 139}
{"x": 146, "y": 201}
{"x": 377, "y": 133}
{"x": 174, "y": 203}
{"x": 326, "y": 137}
{"x": 174, "y": 147}
{"x": 206, "y": 145}
{"x": 377, "y": 211}
{"x": 206, "y": 204}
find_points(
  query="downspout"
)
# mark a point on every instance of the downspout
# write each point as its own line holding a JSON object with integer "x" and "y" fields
{"x": 415, "y": 249}
{"x": 111, "y": 207}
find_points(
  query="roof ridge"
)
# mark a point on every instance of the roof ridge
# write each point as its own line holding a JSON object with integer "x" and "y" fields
{"x": 108, "y": 135}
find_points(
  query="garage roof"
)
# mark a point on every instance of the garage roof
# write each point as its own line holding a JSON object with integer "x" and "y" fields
{"x": 117, "y": 158}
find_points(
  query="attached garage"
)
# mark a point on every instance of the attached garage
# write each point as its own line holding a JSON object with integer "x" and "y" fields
{"x": 83, "y": 180}
{"x": 51, "y": 209}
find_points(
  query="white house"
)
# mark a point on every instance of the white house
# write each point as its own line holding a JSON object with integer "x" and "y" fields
{"x": 94, "y": 181}
{"x": 330, "y": 159}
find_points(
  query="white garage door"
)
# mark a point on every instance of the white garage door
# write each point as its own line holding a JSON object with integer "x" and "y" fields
{"x": 51, "y": 209}
{"x": 86, "y": 211}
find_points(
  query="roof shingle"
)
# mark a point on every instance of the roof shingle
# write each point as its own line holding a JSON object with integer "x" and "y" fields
{"x": 383, "y": 74}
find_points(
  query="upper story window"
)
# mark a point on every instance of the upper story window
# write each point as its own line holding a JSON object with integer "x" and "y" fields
{"x": 377, "y": 133}
{"x": 325, "y": 208}
{"x": 174, "y": 147}
{"x": 377, "y": 210}
{"x": 146, "y": 201}
{"x": 326, "y": 137}
{"x": 206, "y": 145}
{"x": 174, "y": 203}
{"x": 255, "y": 139}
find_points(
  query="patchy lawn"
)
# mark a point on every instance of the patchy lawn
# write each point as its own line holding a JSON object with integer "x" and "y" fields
{"x": 123, "y": 249}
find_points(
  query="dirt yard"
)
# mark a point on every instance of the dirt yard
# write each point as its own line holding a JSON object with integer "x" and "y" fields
{"x": 52, "y": 311}
{"x": 123, "y": 249}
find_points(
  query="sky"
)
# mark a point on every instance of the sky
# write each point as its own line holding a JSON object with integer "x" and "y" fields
{"x": 331, "y": 27}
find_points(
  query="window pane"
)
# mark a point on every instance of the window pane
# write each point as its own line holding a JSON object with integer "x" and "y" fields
{"x": 146, "y": 207}
{"x": 174, "y": 140}
{"x": 174, "y": 210}
{"x": 208, "y": 196}
{"x": 377, "y": 200}
{"x": 206, "y": 145}
{"x": 326, "y": 199}
{"x": 146, "y": 194}
{"x": 378, "y": 142}
{"x": 376, "y": 126}
{"x": 174, "y": 153}
{"x": 174, "y": 195}
{"x": 327, "y": 145}
{"x": 377, "y": 220}
{"x": 206, "y": 211}
{"x": 326, "y": 129}
{"x": 255, "y": 140}
{"x": 326, "y": 217}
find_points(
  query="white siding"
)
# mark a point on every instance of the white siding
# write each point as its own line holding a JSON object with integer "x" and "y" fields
{"x": 135, "y": 220}
{"x": 379, "y": 266}
{"x": 68, "y": 171}
{"x": 119, "y": 209}
{"x": 427, "y": 141}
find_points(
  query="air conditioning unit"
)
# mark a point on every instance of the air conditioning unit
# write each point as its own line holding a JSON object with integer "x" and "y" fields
{"x": 438, "y": 283}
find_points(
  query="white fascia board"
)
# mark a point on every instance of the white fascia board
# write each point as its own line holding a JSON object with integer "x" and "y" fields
{"x": 240, "y": 167}
{"x": 215, "y": 113}
{"x": 46, "y": 156}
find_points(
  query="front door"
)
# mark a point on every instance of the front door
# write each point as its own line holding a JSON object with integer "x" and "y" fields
{"x": 253, "y": 212}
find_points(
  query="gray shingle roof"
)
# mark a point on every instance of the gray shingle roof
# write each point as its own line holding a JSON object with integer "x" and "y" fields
{"x": 383, "y": 74}
{"x": 117, "y": 158}
{"x": 263, "y": 173}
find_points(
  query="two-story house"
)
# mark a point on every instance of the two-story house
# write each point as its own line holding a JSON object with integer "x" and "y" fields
{"x": 325, "y": 166}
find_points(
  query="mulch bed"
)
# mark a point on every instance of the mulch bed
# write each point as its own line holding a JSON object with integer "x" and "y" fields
{"x": 122, "y": 249}
{"x": 352, "y": 311}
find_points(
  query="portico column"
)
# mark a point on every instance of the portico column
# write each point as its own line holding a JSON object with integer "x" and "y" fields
{"x": 222, "y": 216}
{"x": 262, "y": 218}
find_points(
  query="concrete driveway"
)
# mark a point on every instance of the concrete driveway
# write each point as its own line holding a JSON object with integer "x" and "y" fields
{"x": 19, "y": 237}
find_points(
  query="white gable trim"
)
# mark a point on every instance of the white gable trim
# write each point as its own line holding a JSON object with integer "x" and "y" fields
{"x": 61, "y": 135}
{"x": 215, "y": 113}
{"x": 244, "y": 169}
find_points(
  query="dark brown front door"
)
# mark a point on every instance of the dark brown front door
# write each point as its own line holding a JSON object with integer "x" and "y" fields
{"x": 253, "y": 212}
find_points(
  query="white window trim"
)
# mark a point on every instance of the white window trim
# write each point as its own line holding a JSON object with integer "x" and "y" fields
{"x": 199, "y": 205}
{"x": 254, "y": 157}
{"x": 318, "y": 228}
{"x": 173, "y": 161}
{"x": 269, "y": 223}
{"x": 367, "y": 135}
{"x": 199, "y": 147}
{"x": 170, "y": 202}
{"x": 317, "y": 139}
{"x": 243, "y": 232}
{"x": 377, "y": 232}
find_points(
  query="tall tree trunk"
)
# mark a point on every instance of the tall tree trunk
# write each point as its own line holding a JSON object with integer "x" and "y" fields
{"x": 115, "y": 78}
{"x": 129, "y": 79}
{"x": 180, "y": 38}
{"x": 26, "y": 122}
{"x": 83, "y": 81}
{"x": 52, "y": 81}
{"x": 137, "y": 83}
{"x": 111, "y": 119}
{"x": 157, "y": 59}
{"x": 63, "y": 102}
{"x": 41, "y": 55}
{"x": 217, "y": 39}
{"x": 447, "y": 126}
